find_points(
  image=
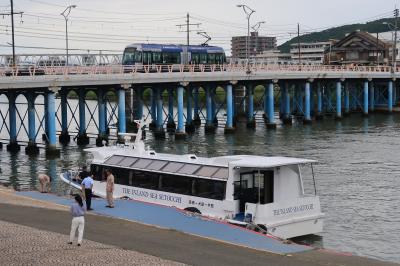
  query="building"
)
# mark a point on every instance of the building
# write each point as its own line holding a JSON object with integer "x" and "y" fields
{"x": 272, "y": 57}
{"x": 257, "y": 44}
{"x": 388, "y": 37}
{"x": 359, "y": 48}
{"x": 312, "y": 52}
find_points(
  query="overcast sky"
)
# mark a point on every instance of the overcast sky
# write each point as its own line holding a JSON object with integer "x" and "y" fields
{"x": 112, "y": 24}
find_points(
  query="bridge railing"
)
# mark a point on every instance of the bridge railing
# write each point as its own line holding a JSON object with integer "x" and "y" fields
{"x": 192, "y": 68}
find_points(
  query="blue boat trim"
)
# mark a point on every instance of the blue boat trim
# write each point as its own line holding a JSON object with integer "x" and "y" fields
{"x": 172, "y": 218}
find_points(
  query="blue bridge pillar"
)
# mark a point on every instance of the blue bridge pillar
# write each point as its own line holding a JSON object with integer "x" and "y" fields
{"x": 153, "y": 109}
{"x": 171, "y": 127}
{"x": 251, "y": 122}
{"x": 32, "y": 148}
{"x": 189, "y": 127}
{"x": 196, "y": 107}
{"x": 139, "y": 103}
{"x": 229, "y": 109}
{"x": 338, "y": 100}
{"x": 121, "y": 109}
{"x": 51, "y": 149}
{"x": 365, "y": 101}
{"x": 180, "y": 131}
{"x": 320, "y": 114}
{"x": 209, "y": 127}
{"x": 159, "y": 132}
{"x": 270, "y": 107}
{"x": 307, "y": 103}
{"x": 82, "y": 138}
{"x": 64, "y": 137}
{"x": 214, "y": 106}
{"x": 346, "y": 99}
{"x": 390, "y": 96}
{"x": 13, "y": 146}
{"x": 46, "y": 119}
{"x": 102, "y": 119}
{"x": 371, "y": 95}
{"x": 287, "y": 115}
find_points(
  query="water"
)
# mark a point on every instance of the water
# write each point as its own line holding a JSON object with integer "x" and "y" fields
{"x": 358, "y": 176}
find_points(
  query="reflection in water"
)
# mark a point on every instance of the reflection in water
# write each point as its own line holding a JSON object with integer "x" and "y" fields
{"x": 357, "y": 176}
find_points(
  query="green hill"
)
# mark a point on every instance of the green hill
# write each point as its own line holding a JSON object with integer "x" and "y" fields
{"x": 338, "y": 33}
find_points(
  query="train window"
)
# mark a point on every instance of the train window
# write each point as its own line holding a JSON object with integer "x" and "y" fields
{"x": 114, "y": 160}
{"x": 138, "y": 56}
{"x": 195, "y": 58}
{"x": 156, "y": 58}
{"x": 203, "y": 58}
{"x": 128, "y": 57}
{"x": 147, "y": 180}
{"x": 171, "y": 58}
{"x": 141, "y": 163}
{"x": 172, "y": 167}
{"x": 209, "y": 189}
{"x": 189, "y": 169}
{"x": 211, "y": 58}
{"x": 176, "y": 184}
{"x": 128, "y": 161}
{"x": 156, "y": 165}
{"x": 146, "y": 58}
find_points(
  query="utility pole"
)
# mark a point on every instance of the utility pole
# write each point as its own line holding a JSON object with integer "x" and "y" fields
{"x": 394, "y": 52}
{"x": 377, "y": 52}
{"x": 298, "y": 41}
{"x": 11, "y": 14}
{"x": 188, "y": 24}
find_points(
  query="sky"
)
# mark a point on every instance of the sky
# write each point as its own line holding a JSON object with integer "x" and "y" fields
{"x": 110, "y": 25}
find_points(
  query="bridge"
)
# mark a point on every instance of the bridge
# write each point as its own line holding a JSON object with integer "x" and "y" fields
{"x": 230, "y": 92}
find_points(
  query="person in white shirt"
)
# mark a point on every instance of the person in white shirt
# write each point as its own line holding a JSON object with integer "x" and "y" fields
{"x": 78, "y": 220}
{"x": 87, "y": 185}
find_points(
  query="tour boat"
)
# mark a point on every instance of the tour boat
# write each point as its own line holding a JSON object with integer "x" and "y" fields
{"x": 264, "y": 192}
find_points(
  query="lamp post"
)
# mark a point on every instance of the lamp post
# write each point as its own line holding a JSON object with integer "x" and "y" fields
{"x": 65, "y": 14}
{"x": 248, "y": 11}
{"x": 256, "y": 27}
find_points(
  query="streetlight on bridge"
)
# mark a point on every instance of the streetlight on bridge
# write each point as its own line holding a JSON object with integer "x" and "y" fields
{"x": 65, "y": 14}
{"x": 248, "y": 11}
{"x": 256, "y": 27}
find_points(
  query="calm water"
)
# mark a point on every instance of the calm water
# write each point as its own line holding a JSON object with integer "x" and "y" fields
{"x": 358, "y": 176}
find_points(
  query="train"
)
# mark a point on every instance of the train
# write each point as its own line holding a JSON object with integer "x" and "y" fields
{"x": 172, "y": 54}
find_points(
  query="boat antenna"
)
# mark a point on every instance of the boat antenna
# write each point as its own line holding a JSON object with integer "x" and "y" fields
{"x": 315, "y": 187}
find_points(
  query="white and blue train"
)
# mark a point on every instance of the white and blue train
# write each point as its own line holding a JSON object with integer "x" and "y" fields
{"x": 170, "y": 54}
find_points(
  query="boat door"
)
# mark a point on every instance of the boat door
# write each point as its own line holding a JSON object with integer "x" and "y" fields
{"x": 254, "y": 187}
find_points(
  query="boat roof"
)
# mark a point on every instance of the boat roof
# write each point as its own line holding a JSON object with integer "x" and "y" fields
{"x": 125, "y": 156}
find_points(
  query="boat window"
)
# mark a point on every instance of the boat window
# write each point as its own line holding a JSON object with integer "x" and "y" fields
{"x": 172, "y": 167}
{"x": 98, "y": 172}
{"x": 121, "y": 175}
{"x": 176, "y": 184}
{"x": 156, "y": 165}
{"x": 114, "y": 159}
{"x": 128, "y": 161}
{"x": 141, "y": 163}
{"x": 221, "y": 173}
{"x": 147, "y": 180}
{"x": 211, "y": 189}
{"x": 189, "y": 169}
{"x": 207, "y": 171}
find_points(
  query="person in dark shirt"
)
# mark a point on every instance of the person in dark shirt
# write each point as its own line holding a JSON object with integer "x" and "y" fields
{"x": 82, "y": 175}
